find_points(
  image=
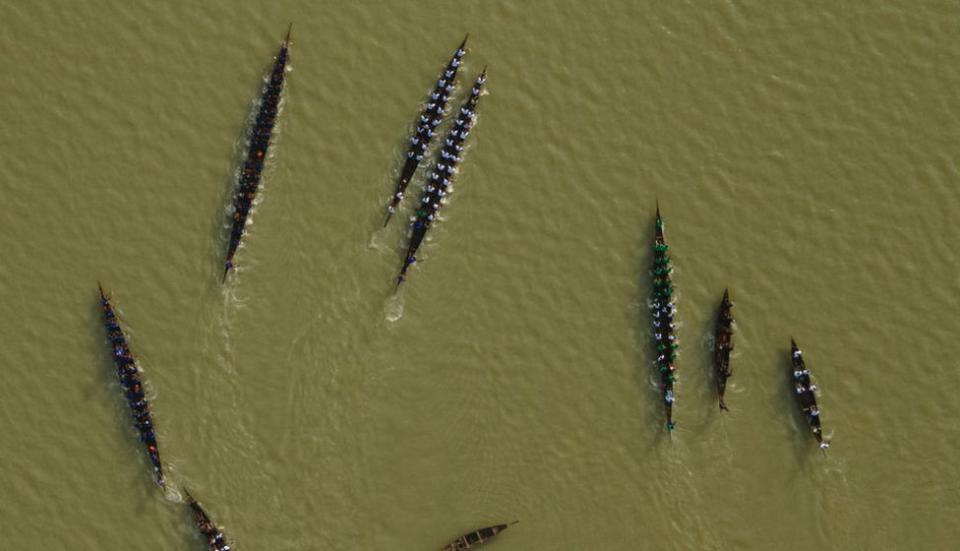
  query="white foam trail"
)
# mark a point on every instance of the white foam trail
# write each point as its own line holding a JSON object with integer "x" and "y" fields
{"x": 393, "y": 309}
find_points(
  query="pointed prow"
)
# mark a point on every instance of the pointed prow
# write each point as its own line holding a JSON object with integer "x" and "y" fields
{"x": 463, "y": 44}
{"x": 286, "y": 40}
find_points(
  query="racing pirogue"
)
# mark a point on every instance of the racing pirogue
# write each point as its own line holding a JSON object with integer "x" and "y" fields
{"x": 476, "y": 538}
{"x": 430, "y": 119}
{"x": 723, "y": 344}
{"x": 129, "y": 375}
{"x": 260, "y": 134}
{"x": 662, "y": 312}
{"x": 210, "y": 531}
{"x": 804, "y": 389}
{"x": 439, "y": 182}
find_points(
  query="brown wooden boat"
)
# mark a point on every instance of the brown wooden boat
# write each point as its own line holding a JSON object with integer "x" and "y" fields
{"x": 804, "y": 391}
{"x": 210, "y": 531}
{"x": 723, "y": 344}
{"x": 477, "y": 537}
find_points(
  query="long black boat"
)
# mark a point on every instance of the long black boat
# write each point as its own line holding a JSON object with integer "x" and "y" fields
{"x": 260, "y": 134}
{"x": 662, "y": 311}
{"x": 210, "y": 531}
{"x": 804, "y": 389}
{"x": 430, "y": 119}
{"x": 723, "y": 344}
{"x": 439, "y": 181}
{"x": 476, "y": 538}
{"x": 129, "y": 375}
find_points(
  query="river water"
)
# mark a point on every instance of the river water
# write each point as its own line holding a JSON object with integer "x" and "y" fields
{"x": 803, "y": 155}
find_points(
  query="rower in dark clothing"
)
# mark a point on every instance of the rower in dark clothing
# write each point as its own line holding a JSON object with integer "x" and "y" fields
{"x": 135, "y": 394}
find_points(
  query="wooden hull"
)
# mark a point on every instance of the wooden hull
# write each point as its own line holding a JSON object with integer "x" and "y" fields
{"x": 260, "y": 135}
{"x": 430, "y": 118}
{"x": 129, "y": 375}
{"x": 475, "y": 538}
{"x": 662, "y": 314}
{"x": 723, "y": 345}
{"x": 212, "y": 534}
{"x": 804, "y": 389}
{"x": 439, "y": 182}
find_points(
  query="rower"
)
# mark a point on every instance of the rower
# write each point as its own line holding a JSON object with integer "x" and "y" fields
{"x": 800, "y": 389}
{"x": 814, "y": 411}
{"x": 797, "y": 353}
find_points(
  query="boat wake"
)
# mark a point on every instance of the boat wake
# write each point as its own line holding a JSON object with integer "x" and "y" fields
{"x": 393, "y": 309}
{"x": 376, "y": 242}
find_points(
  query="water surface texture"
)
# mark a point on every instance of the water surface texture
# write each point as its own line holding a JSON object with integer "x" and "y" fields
{"x": 803, "y": 154}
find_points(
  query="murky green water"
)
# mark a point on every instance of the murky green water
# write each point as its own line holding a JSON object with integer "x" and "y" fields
{"x": 803, "y": 154}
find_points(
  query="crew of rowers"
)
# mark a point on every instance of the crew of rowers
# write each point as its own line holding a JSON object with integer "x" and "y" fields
{"x": 663, "y": 311}
{"x": 215, "y": 538}
{"x": 805, "y": 388}
{"x": 133, "y": 389}
{"x": 430, "y": 119}
{"x": 259, "y": 142}
{"x": 438, "y": 182}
